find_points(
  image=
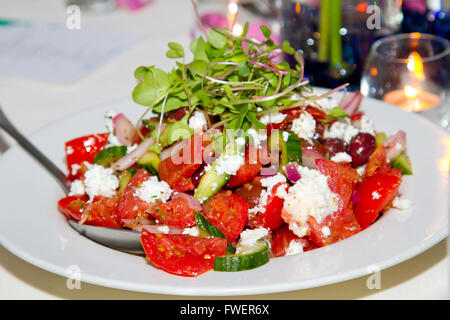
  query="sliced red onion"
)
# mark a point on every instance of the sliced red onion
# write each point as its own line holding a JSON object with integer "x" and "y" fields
{"x": 395, "y": 144}
{"x": 167, "y": 152}
{"x": 292, "y": 173}
{"x": 309, "y": 157}
{"x": 124, "y": 130}
{"x": 192, "y": 203}
{"x": 355, "y": 197}
{"x": 131, "y": 158}
{"x": 160, "y": 228}
{"x": 351, "y": 101}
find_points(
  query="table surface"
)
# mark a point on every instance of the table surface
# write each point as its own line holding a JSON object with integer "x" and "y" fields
{"x": 32, "y": 105}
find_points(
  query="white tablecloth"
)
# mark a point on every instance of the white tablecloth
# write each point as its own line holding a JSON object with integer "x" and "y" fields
{"x": 31, "y": 105}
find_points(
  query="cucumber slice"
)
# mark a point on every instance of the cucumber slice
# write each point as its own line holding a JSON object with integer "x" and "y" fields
{"x": 150, "y": 162}
{"x": 211, "y": 182}
{"x": 207, "y": 229}
{"x": 248, "y": 257}
{"x": 125, "y": 177}
{"x": 291, "y": 149}
{"x": 402, "y": 162}
{"x": 109, "y": 155}
{"x": 380, "y": 138}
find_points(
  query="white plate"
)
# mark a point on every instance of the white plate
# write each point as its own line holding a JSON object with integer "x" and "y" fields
{"x": 33, "y": 229}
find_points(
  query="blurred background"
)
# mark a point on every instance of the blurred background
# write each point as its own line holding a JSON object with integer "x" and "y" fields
{"x": 72, "y": 54}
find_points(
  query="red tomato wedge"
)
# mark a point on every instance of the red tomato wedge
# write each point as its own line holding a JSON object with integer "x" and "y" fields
{"x": 341, "y": 226}
{"x": 131, "y": 207}
{"x": 375, "y": 193}
{"x": 178, "y": 175}
{"x": 270, "y": 218}
{"x": 316, "y": 113}
{"x": 181, "y": 254}
{"x": 175, "y": 213}
{"x": 281, "y": 239}
{"x": 341, "y": 179}
{"x": 83, "y": 149}
{"x": 245, "y": 173}
{"x": 72, "y": 206}
{"x": 102, "y": 212}
{"x": 377, "y": 161}
{"x": 227, "y": 212}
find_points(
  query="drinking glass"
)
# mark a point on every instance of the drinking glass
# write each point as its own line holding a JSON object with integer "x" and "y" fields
{"x": 411, "y": 71}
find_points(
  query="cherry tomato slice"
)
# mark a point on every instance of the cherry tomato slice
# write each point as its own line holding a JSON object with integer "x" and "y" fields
{"x": 270, "y": 218}
{"x": 181, "y": 254}
{"x": 131, "y": 207}
{"x": 178, "y": 175}
{"x": 281, "y": 239}
{"x": 340, "y": 226}
{"x": 375, "y": 193}
{"x": 72, "y": 206}
{"x": 227, "y": 212}
{"x": 102, "y": 212}
{"x": 341, "y": 179}
{"x": 246, "y": 172}
{"x": 175, "y": 212}
{"x": 377, "y": 161}
{"x": 83, "y": 149}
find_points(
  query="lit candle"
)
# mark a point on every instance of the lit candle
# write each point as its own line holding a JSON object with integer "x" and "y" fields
{"x": 412, "y": 99}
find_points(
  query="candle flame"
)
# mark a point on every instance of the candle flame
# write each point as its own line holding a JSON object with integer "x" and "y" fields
{"x": 411, "y": 92}
{"x": 297, "y": 7}
{"x": 233, "y": 7}
{"x": 415, "y": 65}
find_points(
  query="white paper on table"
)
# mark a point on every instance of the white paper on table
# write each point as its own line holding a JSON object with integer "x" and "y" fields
{"x": 53, "y": 53}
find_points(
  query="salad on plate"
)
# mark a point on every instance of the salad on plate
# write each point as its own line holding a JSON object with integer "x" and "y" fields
{"x": 234, "y": 161}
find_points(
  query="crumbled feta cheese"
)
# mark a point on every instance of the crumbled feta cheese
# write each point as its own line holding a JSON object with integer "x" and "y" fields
{"x": 191, "y": 231}
{"x": 341, "y": 157}
{"x": 326, "y": 232}
{"x": 76, "y": 188}
{"x": 398, "y": 147}
{"x": 259, "y": 109}
{"x": 69, "y": 150}
{"x": 309, "y": 197}
{"x": 285, "y": 136}
{"x": 269, "y": 183}
{"x": 361, "y": 170}
{"x": 273, "y": 117}
{"x": 304, "y": 126}
{"x": 152, "y": 190}
{"x": 75, "y": 167}
{"x": 100, "y": 181}
{"x": 229, "y": 164}
{"x": 342, "y": 129}
{"x": 131, "y": 148}
{"x": 163, "y": 229}
{"x": 401, "y": 204}
{"x": 250, "y": 236}
{"x": 197, "y": 120}
{"x": 376, "y": 195}
{"x": 240, "y": 141}
{"x": 295, "y": 247}
{"x": 365, "y": 125}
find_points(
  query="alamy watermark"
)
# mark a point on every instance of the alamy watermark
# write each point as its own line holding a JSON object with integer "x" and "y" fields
{"x": 73, "y": 21}
{"x": 73, "y": 281}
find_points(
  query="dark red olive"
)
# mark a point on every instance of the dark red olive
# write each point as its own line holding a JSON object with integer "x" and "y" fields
{"x": 360, "y": 148}
{"x": 178, "y": 114}
{"x": 195, "y": 178}
{"x": 333, "y": 146}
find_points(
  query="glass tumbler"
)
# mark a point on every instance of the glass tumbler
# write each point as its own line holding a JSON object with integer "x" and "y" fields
{"x": 411, "y": 71}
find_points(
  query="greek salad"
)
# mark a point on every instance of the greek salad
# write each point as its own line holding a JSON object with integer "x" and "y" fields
{"x": 234, "y": 161}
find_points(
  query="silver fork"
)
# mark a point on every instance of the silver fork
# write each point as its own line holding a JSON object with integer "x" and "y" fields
{"x": 118, "y": 239}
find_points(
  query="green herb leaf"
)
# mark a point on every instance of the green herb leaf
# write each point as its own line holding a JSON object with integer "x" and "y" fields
{"x": 266, "y": 31}
{"x": 216, "y": 39}
{"x": 176, "y": 50}
{"x": 244, "y": 71}
{"x": 287, "y": 47}
{"x": 338, "y": 112}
